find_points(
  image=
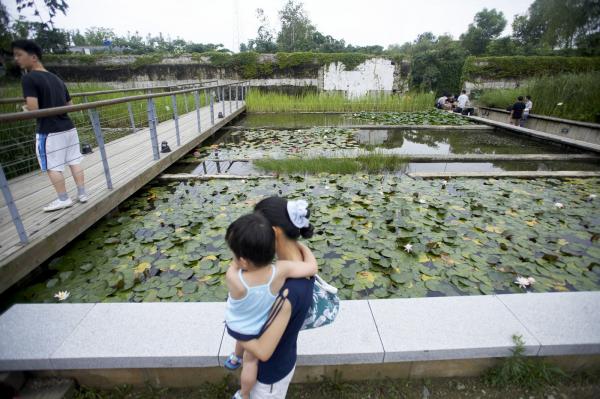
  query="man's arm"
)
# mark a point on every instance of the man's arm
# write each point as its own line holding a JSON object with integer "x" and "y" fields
{"x": 264, "y": 346}
{"x": 31, "y": 104}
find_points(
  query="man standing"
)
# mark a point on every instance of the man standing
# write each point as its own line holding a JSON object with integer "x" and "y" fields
{"x": 57, "y": 142}
{"x": 463, "y": 100}
{"x": 517, "y": 111}
{"x": 528, "y": 107}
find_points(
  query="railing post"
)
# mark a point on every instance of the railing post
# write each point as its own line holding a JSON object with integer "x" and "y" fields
{"x": 237, "y": 88}
{"x": 230, "y": 103}
{"x": 152, "y": 127}
{"x": 197, "y": 102}
{"x": 12, "y": 207}
{"x": 100, "y": 141}
{"x": 131, "y": 119}
{"x": 176, "y": 119}
{"x": 223, "y": 99}
{"x": 212, "y": 108}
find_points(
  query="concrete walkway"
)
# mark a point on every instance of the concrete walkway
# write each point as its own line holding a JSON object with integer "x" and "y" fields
{"x": 167, "y": 335}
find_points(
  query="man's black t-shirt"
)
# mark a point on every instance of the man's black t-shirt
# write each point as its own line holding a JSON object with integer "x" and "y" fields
{"x": 518, "y": 108}
{"x": 50, "y": 92}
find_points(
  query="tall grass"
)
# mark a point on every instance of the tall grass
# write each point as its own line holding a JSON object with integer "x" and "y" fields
{"x": 368, "y": 163}
{"x": 258, "y": 101}
{"x": 569, "y": 96}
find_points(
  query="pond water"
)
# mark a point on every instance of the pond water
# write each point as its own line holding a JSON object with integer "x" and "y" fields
{"x": 473, "y": 236}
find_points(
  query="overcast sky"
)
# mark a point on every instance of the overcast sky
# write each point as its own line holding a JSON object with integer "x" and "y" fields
{"x": 230, "y": 22}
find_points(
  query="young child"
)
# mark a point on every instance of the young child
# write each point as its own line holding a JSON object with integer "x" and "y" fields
{"x": 254, "y": 282}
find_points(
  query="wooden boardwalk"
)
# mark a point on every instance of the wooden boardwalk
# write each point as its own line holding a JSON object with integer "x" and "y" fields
{"x": 131, "y": 166}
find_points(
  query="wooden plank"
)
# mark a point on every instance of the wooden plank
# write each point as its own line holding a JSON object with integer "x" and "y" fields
{"x": 189, "y": 176}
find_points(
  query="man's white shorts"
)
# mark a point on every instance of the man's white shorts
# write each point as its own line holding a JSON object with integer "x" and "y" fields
{"x": 55, "y": 150}
{"x": 272, "y": 391}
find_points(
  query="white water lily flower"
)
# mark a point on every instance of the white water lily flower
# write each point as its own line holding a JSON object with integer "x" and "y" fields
{"x": 592, "y": 196}
{"x": 559, "y": 104}
{"x": 559, "y": 205}
{"x": 408, "y": 248}
{"x": 531, "y": 280}
{"x": 62, "y": 295}
{"x": 444, "y": 182}
{"x": 422, "y": 201}
{"x": 522, "y": 282}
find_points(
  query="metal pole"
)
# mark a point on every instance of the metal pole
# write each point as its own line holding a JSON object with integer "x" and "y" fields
{"x": 152, "y": 126}
{"x": 212, "y": 108}
{"x": 12, "y": 207}
{"x": 223, "y": 99}
{"x": 237, "y": 88}
{"x": 176, "y": 119}
{"x": 131, "y": 119}
{"x": 197, "y": 101}
{"x": 230, "y": 104}
{"x": 100, "y": 141}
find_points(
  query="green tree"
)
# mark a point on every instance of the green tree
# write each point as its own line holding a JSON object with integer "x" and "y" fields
{"x": 265, "y": 38}
{"x": 296, "y": 29}
{"x": 559, "y": 23}
{"x": 487, "y": 25}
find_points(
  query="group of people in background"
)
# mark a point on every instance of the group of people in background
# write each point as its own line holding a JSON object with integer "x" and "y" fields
{"x": 459, "y": 104}
{"x": 519, "y": 111}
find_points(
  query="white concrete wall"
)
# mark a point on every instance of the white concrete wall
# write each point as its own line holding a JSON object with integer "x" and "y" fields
{"x": 376, "y": 74}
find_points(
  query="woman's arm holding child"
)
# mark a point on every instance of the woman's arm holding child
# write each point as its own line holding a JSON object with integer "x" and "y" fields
{"x": 297, "y": 269}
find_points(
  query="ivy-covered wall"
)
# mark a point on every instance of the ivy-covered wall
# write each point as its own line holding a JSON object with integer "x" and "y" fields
{"x": 523, "y": 67}
{"x": 247, "y": 65}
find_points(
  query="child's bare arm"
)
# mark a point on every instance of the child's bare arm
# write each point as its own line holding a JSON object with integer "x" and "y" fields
{"x": 297, "y": 269}
{"x": 234, "y": 285}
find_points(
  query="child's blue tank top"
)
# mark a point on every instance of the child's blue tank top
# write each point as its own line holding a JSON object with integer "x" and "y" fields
{"x": 247, "y": 315}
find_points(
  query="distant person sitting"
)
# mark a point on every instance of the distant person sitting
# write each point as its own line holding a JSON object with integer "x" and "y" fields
{"x": 57, "y": 143}
{"x": 526, "y": 111}
{"x": 463, "y": 99}
{"x": 516, "y": 112}
{"x": 447, "y": 105}
{"x": 441, "y": 101}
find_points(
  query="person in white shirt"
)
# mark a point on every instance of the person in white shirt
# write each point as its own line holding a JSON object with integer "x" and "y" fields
{"x": 526, "y": 111}
{"x": 463, "y": 100}
{"x": 441, "y": 101}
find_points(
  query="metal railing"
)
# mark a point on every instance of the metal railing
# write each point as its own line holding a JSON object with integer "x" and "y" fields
{"x": 99, "y": 123}
{"x": 18, "y": 100}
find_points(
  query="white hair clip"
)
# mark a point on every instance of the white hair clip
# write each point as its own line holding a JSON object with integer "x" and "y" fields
{"x": 297, "y": 211}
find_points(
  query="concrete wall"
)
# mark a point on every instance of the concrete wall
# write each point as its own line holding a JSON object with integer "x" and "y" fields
{"x": 583, "y": 131}
{"x": 374, "y": 75}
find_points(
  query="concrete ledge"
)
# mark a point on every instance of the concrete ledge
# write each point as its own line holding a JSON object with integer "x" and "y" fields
{"x": 519, "y": 175}
{"x": 370, "y": 127}
{"x": 538, "y": 134}
{"x": 191, "y": 335}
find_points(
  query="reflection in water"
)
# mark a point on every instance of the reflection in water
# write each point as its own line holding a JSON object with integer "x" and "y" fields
{"x": 444, "y": 142}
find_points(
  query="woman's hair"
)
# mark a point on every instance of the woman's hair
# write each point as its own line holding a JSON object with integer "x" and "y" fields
{"x": 251, "y": 237}
{"x": 274, "y": 209}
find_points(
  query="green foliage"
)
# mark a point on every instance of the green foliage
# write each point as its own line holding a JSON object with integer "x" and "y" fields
{"x": 436, "y": 63}
{"x": 257, "y": 101}
{"x": 519, "y": 370}
{"x": 568, "y": 96}
{"x": 487, "y": 25}
{"x": 150, "y": 59}
{"x": 489, "y": 68}
{"x": 368, "y": 163}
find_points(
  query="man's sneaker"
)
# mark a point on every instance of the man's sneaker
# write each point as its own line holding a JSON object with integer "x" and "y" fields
{"x": 58, "y": 204}
{"x": 83, "y": 198}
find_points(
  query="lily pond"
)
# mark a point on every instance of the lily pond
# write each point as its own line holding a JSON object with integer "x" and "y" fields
{"x": 377, "y": 235}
